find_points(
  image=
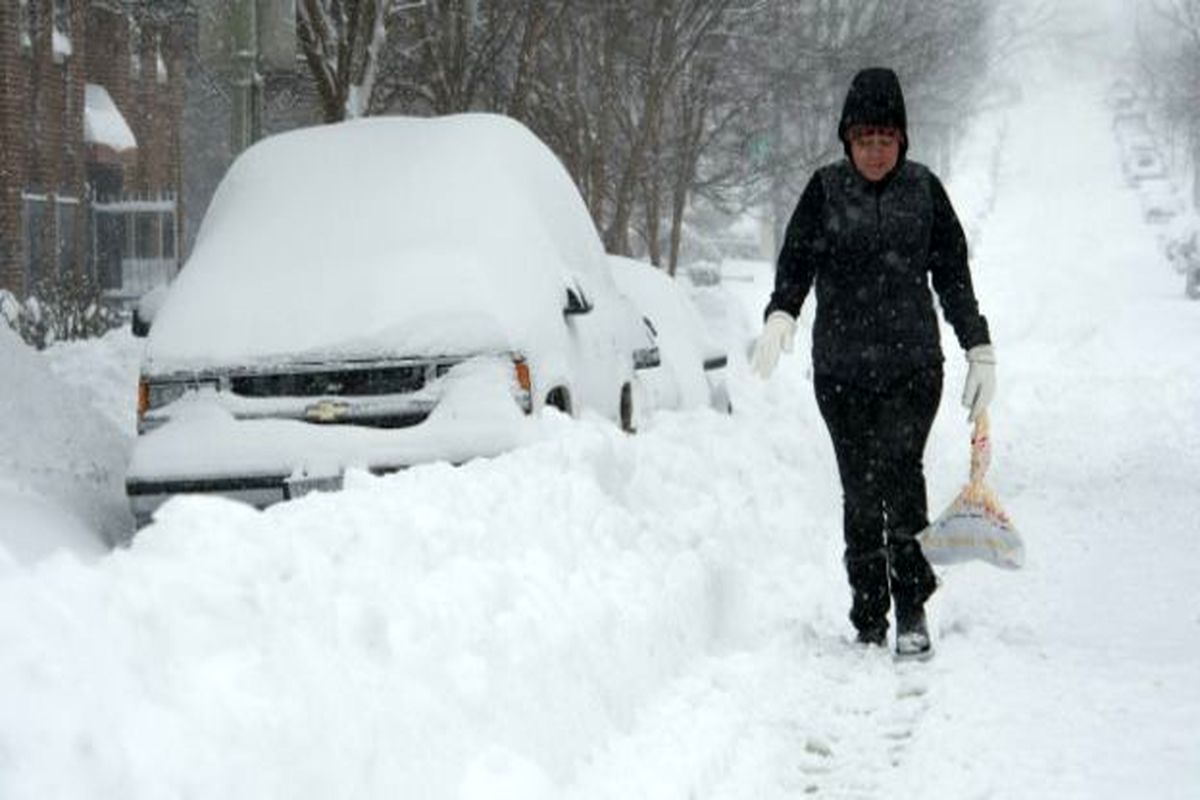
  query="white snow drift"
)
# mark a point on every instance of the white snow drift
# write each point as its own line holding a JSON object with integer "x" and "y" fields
{"x": 663, "y": 616}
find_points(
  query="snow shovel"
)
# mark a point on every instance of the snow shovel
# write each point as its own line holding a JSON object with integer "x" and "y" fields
{"x": 974, "y": 527}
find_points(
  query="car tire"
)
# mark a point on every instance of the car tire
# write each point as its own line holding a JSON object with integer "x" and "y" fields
{"x": 719, "y": 399}
{"x": 628, "y": 410}
{"x": 1192, "y": 289}
{"x": 559, "y": 398}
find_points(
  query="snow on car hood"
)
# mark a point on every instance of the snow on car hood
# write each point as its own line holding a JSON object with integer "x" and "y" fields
{"x": 384, "y": 235}
{"x": 476, "y": 416}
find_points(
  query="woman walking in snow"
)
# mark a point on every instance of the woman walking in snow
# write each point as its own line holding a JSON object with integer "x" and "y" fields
{"x": 872, "y": 231}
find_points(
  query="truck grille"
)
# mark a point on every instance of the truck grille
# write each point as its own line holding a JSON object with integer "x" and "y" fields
{"x": 336, "y": 383}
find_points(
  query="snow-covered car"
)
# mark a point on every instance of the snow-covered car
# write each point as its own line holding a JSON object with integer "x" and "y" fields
{"x": 1121, "y": 96}
{"x": 1180, "y": 240}
{"x": 373, "y": 295}
{"x": 1131, "y": 127}
{"x": 693, "y": 371}
{"x": 1142, "y": 162}
{"x": 1160, "y": 202}
{"x": 1191, "y": 287}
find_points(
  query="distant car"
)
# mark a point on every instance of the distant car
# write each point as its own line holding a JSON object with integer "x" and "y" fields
{"x": 1192, "y": 285}
{"x": 377, "y": 294}
{"x": 1181, "y": 246}
{"x": 1122, "y": 96}
{"x": 694, "y": 366}
{"x": 1160, "y": 202}
{"x": 1131, "y": 126}
{"x": 1142, "y": 162}
{"x": 1180, "y": 241}
{"x": 704, "y": 273}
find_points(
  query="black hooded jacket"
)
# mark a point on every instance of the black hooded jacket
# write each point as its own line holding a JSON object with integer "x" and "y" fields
{"x": 873, "y": 249}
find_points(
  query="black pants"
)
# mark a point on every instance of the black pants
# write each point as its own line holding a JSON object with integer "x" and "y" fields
{"x": 879, "y": 437}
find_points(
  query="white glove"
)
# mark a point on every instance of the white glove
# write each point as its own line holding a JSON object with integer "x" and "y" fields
{"x": 980, "y": 387}
{"x": 776, "y": 337}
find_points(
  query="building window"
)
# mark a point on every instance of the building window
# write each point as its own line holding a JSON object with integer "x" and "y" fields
{"x": 39, "y": 212}
{"x": 153, "y": 234}
{"x": 66, "y": 207}
{"x": 108, "y": 234}
{"x": 160, "y": 66}
{"x": 34, "y": 217}
{"x": 145, "y": 230}
{"x": 62, "y": 31}
{"x": 25, "y": 25}
{"x": 133, "y": 243}
{"x": 135, "y": 50}
{"x": 167, "y": 223}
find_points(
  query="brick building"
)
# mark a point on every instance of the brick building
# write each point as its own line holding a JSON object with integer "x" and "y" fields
{"x": 91, "y": 101}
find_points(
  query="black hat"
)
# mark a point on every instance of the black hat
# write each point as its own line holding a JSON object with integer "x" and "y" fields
{"x": 874, "y": 99}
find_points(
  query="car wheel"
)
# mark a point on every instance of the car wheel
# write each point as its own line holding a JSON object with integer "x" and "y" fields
{"x": 719, "y": 399}
{"x": 559, "y": 398}
{"x": 1192, "y": 289}
{"x": 628, "y": 421}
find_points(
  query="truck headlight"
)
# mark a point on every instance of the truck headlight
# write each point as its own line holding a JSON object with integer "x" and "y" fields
{"x": 154, "y": 394}
{"x": 524, "y": 389}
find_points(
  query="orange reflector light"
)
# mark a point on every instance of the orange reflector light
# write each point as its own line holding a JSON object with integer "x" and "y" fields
{"x": 523, "y": 375}
{"x": 143, "y": 397}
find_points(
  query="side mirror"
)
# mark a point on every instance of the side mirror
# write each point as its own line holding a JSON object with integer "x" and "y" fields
{"x": 577, "y": 302}
{"x": 647, "y": 357}
{"x": 145, "y": 309}
{"x": 141, "y": 325}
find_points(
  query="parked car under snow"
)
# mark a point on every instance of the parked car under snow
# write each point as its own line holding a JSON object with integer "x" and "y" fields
{"x": 693, "y": 369}
{"x": 1160, "y": 202}
{"x": 373, "y": 295}
{"x": 1142, "y": 162}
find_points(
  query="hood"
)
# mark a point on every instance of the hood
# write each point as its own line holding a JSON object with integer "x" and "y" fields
{"x": 874, "y": 98}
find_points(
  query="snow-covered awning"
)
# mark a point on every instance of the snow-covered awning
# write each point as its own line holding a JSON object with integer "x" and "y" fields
{"x": 103, "y": 123}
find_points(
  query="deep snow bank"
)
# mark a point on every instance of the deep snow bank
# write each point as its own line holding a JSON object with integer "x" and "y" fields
{"x": 411, "y": 633}
{"x": 58, "y": 443}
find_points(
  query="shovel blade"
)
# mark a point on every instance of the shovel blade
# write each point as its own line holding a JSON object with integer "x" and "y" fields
{"x": 971, "y": 531}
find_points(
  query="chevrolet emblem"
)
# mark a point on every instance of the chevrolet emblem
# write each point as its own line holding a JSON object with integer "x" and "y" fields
{"x": 326, "y": 411}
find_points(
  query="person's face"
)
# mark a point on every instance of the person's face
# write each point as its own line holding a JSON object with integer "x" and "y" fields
{"x": 874, "y": 151}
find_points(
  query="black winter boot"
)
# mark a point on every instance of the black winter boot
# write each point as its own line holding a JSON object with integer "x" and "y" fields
{"x": 870, "y": 599}
{"x": 912, "y": 633}
{"x": 873, "y": 634}
{"x": 911, "y": 577}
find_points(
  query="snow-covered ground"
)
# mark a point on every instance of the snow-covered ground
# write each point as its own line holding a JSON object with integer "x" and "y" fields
{"x": 659, "y": 616}
{"x": 67, "y": 418}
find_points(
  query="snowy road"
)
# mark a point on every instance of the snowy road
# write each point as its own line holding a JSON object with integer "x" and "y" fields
{"x": 663, "y": 616}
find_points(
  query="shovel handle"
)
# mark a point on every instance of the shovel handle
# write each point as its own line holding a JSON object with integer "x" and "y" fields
{"x": 981, "y": 449}
{"x": 982, "y": 425}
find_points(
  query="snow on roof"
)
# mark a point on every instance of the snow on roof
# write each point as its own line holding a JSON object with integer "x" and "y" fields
{"x": 378, "y": 236}
{"x": 103, "y": 122}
